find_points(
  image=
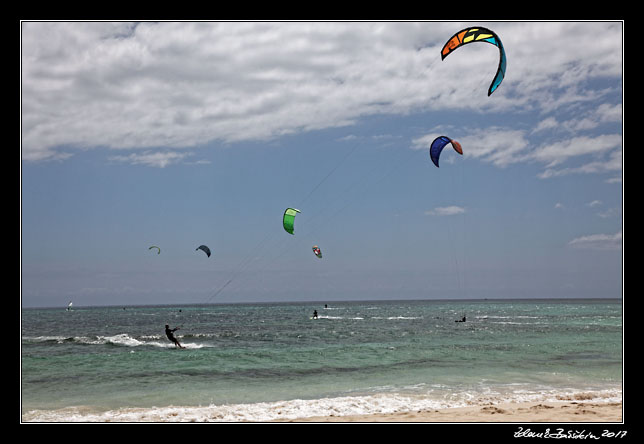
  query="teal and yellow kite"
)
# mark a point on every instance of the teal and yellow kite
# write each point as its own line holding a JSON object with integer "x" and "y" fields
{"x": 478, "y": 34}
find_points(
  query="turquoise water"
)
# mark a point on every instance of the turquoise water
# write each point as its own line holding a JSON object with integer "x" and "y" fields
{"x": 256, "y": 361}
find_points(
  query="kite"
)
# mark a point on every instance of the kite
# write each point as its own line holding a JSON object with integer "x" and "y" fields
{"x": 317, "y": 252}
{"x": 154, "y": 246}
{"x": 289, "y": 219}
{"x": 204, "y": 248}
{"x": 478, "y": 34}
{"x": 437, "y": 146}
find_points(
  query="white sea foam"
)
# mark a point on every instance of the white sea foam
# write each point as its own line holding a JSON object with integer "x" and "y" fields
{"x": 301, "y": 408}
{"x": 394, "y": 318}
{"x": 122, "y": 339}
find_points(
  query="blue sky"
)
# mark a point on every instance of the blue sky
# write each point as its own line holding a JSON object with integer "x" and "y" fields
{"x": 179, "y": 134}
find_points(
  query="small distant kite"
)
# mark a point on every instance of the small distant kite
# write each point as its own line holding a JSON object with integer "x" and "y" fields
{"x": 154, "y": 246}
{"x": 289, "y": 219}
{"x": 204, "y": 248}
{"x": 478, "y": 34}
{"x": 437, "y": 146}
{"x": 317, "y": 252}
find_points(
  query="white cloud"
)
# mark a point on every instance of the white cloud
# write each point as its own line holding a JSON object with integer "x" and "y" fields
{"x": 556, "y": 153}
{"x": 598, "y": 241}
{"x": 153, "y": 159}
{"x": 612, "y": 164}
{"x": 610, "y": 213}
{"x": 609, "y": 113}
{"x": 603, "y": 113}
{"x": 445, "y": 211}
{"x": 546, "y": 124}
{"x": 177, "y": 85}
{"x": 574, "y": 142}
{"x": 499, "y": 146}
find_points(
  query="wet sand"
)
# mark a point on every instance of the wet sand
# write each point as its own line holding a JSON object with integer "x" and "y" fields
{"x": 539, "y": 412}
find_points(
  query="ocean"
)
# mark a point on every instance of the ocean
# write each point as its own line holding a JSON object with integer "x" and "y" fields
{"x": 261, "y": 362}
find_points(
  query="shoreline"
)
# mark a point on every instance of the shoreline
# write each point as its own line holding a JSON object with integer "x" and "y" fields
{"x": 564, "y": 411}
{"x": 517, "y": 412}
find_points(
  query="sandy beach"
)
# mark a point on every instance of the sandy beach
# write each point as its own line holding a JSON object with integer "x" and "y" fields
{"x": 545, "y": 412}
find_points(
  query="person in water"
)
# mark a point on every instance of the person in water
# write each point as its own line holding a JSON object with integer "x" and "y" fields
{"x": 169, "y": 333}
{"x": 315, "y": 314}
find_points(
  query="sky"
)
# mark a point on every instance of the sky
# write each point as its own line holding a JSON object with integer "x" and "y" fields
{"x": 178, "y": 134}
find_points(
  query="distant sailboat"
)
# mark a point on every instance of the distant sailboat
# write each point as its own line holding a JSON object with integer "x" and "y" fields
{"x": 69, "y": 307}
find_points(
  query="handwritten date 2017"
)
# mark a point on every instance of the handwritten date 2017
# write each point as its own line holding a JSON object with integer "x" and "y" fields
{"x": 568, "y": 434}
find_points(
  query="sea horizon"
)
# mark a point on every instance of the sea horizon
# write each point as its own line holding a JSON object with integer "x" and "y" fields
{"x": 325, "y": 301}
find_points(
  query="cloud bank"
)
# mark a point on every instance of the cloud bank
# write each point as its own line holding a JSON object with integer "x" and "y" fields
{"x": 176, "y": 85}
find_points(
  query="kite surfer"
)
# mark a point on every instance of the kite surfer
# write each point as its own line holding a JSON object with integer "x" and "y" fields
{"x": 169, "y": 333}
{"x": 315, "y": 314}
